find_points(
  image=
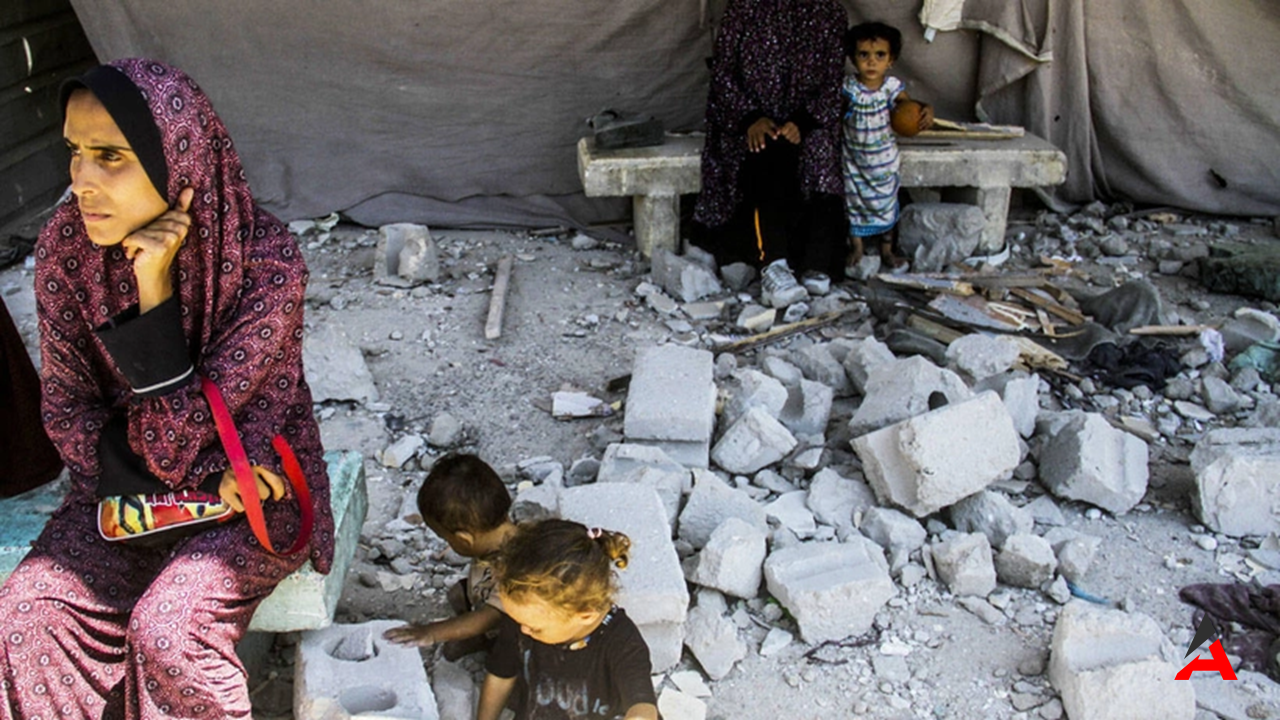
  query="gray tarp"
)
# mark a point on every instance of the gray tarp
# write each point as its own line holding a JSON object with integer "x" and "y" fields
{"x": 466, "y": 112}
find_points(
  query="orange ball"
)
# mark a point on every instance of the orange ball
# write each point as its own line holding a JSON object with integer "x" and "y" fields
{"x": 905, "y": 118}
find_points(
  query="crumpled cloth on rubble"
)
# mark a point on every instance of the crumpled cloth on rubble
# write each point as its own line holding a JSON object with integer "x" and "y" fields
{"x": 1134, "y": 364}
{"x": 1261, "y": 356}
{"x": 1257, "y": 609}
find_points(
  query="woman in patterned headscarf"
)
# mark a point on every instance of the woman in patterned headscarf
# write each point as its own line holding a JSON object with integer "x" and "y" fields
{"x": 771, "y": 182}
{"x": 162, "y": 269}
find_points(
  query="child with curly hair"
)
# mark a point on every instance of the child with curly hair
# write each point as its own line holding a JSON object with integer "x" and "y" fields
{"x": 565, "y": 646}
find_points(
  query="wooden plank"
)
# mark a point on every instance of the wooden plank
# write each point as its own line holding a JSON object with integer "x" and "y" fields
{"x": 968, "y": 312}
{"x": 783, "y": 331}
{"x": 924, "y": 282}
{"x": 1071, "y": 316}
{"x": 1170, "y": 329}
{"x": 498, "y": 299}
{"x": 935, "y": 330}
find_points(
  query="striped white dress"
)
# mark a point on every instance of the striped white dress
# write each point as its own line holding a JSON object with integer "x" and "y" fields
{"x": 870, "y": 157}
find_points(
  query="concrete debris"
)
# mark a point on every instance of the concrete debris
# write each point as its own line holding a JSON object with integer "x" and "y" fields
{"x": 837, "y": 501}
{"x": 977, "y": 356}
{"x": 791, "y": 512}
{"x": 754, "y": 441}
{"x": 335, "y": 368}
{"x": 964, "y": 563}
{"x": 684, "y": 277}
{"x": 936, "y": 235}
{"x": 1025, "y": 560}
{"x": 676, "y": 705}
{"x": 712, "y": 637}
{"x": 751, "y": 388}
{"x": 672, "y": 402}
{"x": 833, "y": 590}
{"x": 933, "y": 460}
{"x": 862, "y": 357}
{"x": 710, "y": 504}
{"x": 732, "y": 561}
{"x": 1107, "y": 664}
{"x": 1236, "y": 490}
{"x": 402, "y": 451}
{"x": 1082, "y": 457}
{"x": 901, "y": 389}
{"x": 405, "y": 256}
{"x": 991, "y": 514}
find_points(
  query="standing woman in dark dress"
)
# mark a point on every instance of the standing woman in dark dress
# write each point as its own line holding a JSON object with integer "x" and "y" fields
{"x": 27, "y": 458}
{"x": 161, "y": 270}
{"x": 771, "y": 182}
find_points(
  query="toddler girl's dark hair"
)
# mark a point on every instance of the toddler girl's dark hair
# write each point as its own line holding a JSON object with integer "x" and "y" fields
{"x": 563, "y": 564}
{"x": 872, "y": 31}
{"x": 463, "y": 494}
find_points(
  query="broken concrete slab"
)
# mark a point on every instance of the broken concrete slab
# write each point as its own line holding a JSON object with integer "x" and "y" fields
{"x": 990, "y": 513}
{"x": 791, "y": 512}
{"x": 684, "y": 277}
{"x": 894, "y": 531}
{"x": 808, "y": 408}
{"x": 839, "y": 501}
{"x": 389, "y": 681}
{"x": 671, "y": 402}
{"x": 819, "y": 365}
{"x": 964, "y": 564}
{"x": 978, "y": 356}
{"x": 862, "y": 356}
{"x": 933, "y": 460}
{"x": 750, "y": 388}
{"x": 732, "y": 561}
{"x": 833, "y": 590}
{"x": 901, "y": 389}
{"x": 1025, "y": 560}
{"x": 1021, "y": 395}
{"x": 335, "y": 368}
{"x": 712, "y": 637}
{"x": 710, "y": 504}
{"x": 405, "y": 256}
{"x": 1082, "y": 457}
{"x": 1107, "y": 664}
{"x": 1236, "y": 489}
{"x": 935, "y": 235}
{"x": 756, "y": 440}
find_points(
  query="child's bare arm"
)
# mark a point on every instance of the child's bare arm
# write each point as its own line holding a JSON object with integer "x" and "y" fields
{"x": 642, "y": 711}
{"x": 466, "y": 625}
{"x": 494, "y": 694}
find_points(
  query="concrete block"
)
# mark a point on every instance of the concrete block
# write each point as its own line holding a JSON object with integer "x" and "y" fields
{"x": 333, "y": 684}
{"x": 676, "y": 705}
{"x": 933, "y": 460}
{"x": 405, "y": 256}
{"x": 785, "y": 372}
{"x": 838, "y": 501}
{"x": 403, "y": 450}
{"x": 755, "y": 441}
{"x": 1025, "y": 560}
{"x": 791, "y": 511}
{"x": 672, "y": 396}
{"x": 808, "y": 408}
{"x": 306, "y": 599}
{"x": 535, "y": 502}
{"x": 833, "y": 590}
{"x": 1084, "y": 458}
{"x": 683, "y": 277}
{"x": 334, "y": 366}
{"x": 964, "y": 563}
{"x": 1107, "y": 665}
{"x": 894, "y": 531}
{"x": 990, "y": 513}
{"x": 710, "y": 504}
{"x": 751, "y": 388}
{"x": 861, "y": 358}
{"x": 712, "y": 637}
{"x": 732, "y": 561}
{"x": 652, "y": 587}
{"x": 1236, "y": 489}
{"x": 901, "y": 389}
{"x": 1021, "y": 395}
{"x": 455, "y": 690}
{"x": 738, "y": 275}
{"x": 1075, "y": 556}
{"x": 666, "y": 644}
{"x": 755, "y": 318}
{"x": 650, "y": 466}
{"x": 936, "y": 235}
{"x": 819, "y": 365}
{"x": 977, "y": 356}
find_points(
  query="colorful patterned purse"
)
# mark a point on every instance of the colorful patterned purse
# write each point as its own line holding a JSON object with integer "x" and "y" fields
{"x": 127, "y": 517}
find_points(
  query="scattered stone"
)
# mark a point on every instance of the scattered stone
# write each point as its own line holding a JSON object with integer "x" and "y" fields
{"x": 933, "y": 460}
{"x": 738, "y": 276}
{"x": 684, "y": 277}
{"x": 862, "y": 357}
{"x": 808, "y": 408}
{"x": 833, "y": 590}
{"x": 894, "y": 531}
{"x": 1236, "y": 468}
{"x": 755, "y": 318}
{"x": 676, "y": 705}
{"x": 672, "y": 402}
{"x": 1084, "y": 458}
{"x": 405, "y": 256}
{"x": 1045, "y": 511}
{"x": 791, "y": 512}
{"x": 1219, "y": 397}
{"x": 936, "y": 235}
{"x": 751, "y": 388}
{"x": 710, "y": 504}
{"x": 991, "y": 514}
{"x": 335, "y": 368}
{"x": 1025, "y": 560}
{"x": 795, "y": 312}
{"x": 901, "y": 389}
{"x": 964, "y": 564}
{"x": 454, "y": 689}
{"x": 754, "y": 441}
{"x": 445, "y": 431}
{"x": 774, "y": 642}
{"x": 1107, "y": 664}
{"x": 402, "y": 450}
{"x": 732, "y": 560}
{"x": 1021, "y": 395}
{"x": 712, "y": 637}
{"x": 984, "y": 610}
{"x": 979, "y": 356}
{"x": 836, "y": 500}
{"x": 819, "y": 365}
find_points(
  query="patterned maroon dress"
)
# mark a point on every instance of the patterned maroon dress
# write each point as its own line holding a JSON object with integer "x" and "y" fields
{"x": 92, "y": 629}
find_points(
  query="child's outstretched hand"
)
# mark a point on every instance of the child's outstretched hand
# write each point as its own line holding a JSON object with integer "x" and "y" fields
{"x": 926, "y": 116}
{"x": 411, "y": 635}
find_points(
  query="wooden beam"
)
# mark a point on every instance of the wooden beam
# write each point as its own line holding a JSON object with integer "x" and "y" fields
{"x": 498, "y": 299}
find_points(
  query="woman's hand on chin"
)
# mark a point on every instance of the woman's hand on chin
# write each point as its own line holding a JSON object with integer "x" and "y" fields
{"x": 152, "y": 249}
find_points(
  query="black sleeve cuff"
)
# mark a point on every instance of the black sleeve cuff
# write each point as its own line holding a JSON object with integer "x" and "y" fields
{"x": 149, "y": 348}
{"x": 124, "y": 472}
{"x": 804, "y": 121}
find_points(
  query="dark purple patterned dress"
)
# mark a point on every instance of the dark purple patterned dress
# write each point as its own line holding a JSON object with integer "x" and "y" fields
{"x": 777, "y": 58}
{"x": 94, "y": 629}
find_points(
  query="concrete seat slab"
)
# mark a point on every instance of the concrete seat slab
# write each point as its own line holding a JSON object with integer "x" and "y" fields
{"x": 304, "y": 600}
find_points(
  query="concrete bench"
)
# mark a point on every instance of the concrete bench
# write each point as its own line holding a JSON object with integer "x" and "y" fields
{"x": 983, "y": 172}
{"x": 304, "y": 600}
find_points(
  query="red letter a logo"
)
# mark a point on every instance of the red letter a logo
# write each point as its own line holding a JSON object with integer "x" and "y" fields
{"x": 1218, "y": 664}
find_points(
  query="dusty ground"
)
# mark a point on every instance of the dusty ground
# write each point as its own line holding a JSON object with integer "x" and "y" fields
{"x": 573, "y": 319}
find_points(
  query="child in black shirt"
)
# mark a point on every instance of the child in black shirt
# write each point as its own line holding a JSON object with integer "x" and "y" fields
{"x": 563, "y": 643}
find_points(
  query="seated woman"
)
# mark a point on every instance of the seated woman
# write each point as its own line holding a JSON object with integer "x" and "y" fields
{"x": 162, "y": 270}
{"x": 771, "y": 181}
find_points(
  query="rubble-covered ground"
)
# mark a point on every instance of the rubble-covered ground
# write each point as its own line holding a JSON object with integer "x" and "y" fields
{"x": 578, "y": 310}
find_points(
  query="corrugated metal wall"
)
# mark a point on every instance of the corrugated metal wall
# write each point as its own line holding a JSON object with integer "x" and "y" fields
{"x": 41, "y": 42}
